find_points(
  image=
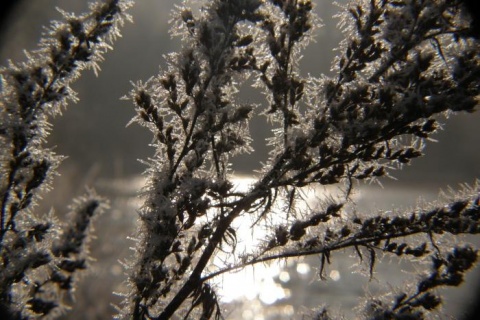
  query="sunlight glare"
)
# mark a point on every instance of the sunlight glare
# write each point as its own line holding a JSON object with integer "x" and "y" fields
{"x": 284, "y": 276}
{"x": 251, "y": 282}
{"x": 335, "y": 275}
{"x": 255, "y": 282}
{"x": 303, "y": 268}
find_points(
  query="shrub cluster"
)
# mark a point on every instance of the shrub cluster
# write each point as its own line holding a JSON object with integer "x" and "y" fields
{"x": 401, "y": 65}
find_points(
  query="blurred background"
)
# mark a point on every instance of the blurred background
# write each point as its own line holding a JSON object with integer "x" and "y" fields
{"x": 102, "y": 153}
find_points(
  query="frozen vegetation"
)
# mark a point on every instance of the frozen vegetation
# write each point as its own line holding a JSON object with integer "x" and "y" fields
{"x": 403, "y": 65}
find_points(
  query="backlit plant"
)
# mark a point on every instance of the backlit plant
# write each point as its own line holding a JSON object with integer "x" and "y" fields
{"x": 401, "y": 65}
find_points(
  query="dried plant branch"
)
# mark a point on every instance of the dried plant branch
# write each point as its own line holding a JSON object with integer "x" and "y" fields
{"x": 402, "y": 65}
{"x": 32, "y": 92}
{"x": 391, "y": 83}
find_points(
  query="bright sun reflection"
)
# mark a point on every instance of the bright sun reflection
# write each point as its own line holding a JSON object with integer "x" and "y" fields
{"x": 253, "y": 282}
{"x": 303, "y": 268}
{"x": 335, "y": 275}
